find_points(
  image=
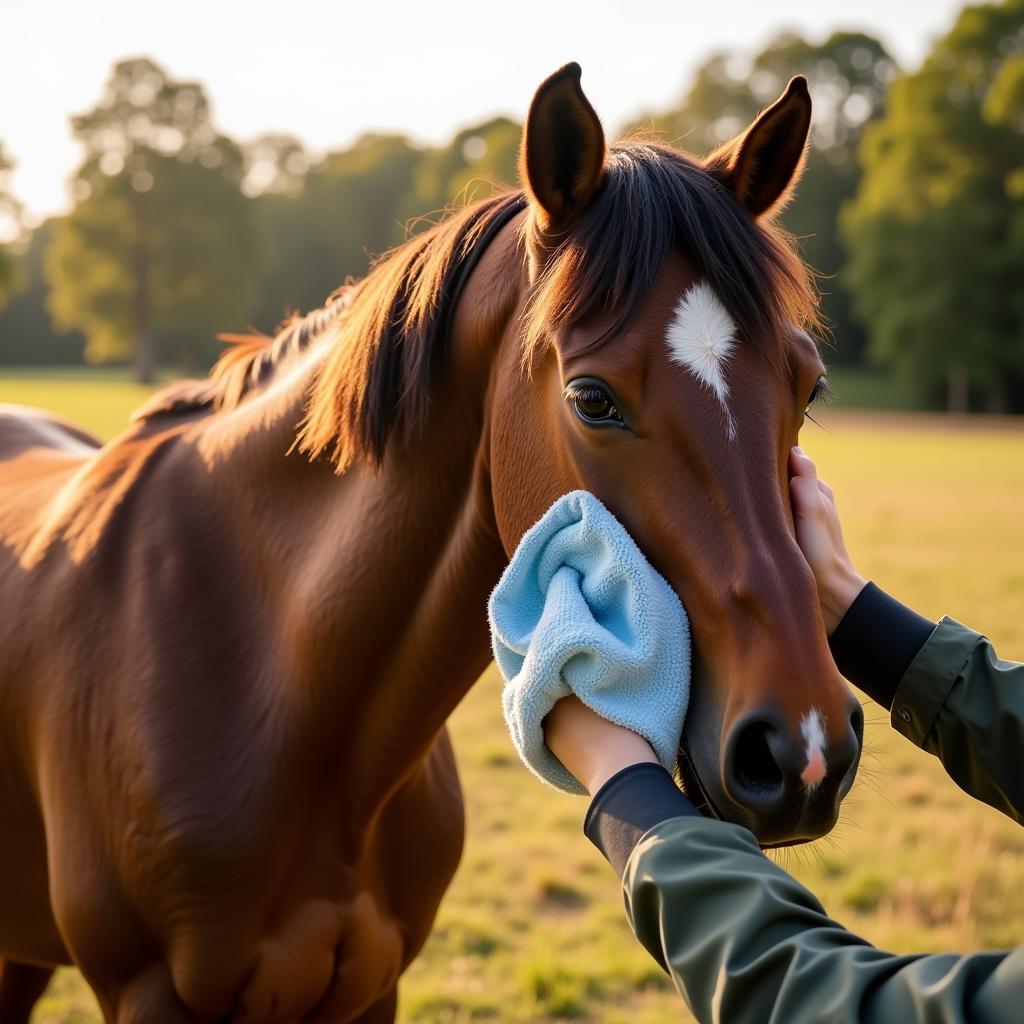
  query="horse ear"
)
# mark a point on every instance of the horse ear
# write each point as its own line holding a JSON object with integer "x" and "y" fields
{"x": 762, "y": 166}
{"x": 561, "y": 162}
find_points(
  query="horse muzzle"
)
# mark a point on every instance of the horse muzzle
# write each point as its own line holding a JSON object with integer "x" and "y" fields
{"x": 787, "y": 785}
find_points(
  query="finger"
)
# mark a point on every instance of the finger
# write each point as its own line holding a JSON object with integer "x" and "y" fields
{"x": 807, "y": 499}
{"x": 800, "y": 464}
{"x": 826, "y": 490}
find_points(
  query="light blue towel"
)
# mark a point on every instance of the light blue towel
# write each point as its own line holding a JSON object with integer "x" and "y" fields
{"x": 580, "y": 610}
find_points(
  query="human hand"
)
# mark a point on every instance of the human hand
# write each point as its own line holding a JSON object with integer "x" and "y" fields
{"x": 820, "y": 536}
{"x": 592, "y": 748}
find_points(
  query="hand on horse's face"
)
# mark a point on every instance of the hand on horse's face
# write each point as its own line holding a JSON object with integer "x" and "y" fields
{"x": 592, "y": 748}
{"x": 820, "y": 536}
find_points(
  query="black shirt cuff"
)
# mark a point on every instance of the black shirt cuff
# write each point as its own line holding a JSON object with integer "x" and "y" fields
{"x": 629, "y": 804}
{"x": 876, "y": 641}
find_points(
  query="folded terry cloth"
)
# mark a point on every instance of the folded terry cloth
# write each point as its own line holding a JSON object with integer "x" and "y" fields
{"x": 580, "y": 610}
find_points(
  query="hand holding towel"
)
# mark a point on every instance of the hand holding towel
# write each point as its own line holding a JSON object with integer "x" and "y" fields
{"x": 580, "y": 610}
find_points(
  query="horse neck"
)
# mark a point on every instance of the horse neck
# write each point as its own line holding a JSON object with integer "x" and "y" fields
{"x": 380, "y": 576}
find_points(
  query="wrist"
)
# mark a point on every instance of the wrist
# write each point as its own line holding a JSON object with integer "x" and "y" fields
{"x": 622, "y": 749}
{"x": 592, "y": 748}
{"x": 837, "y": 590}
{"x": 601, "y": 772}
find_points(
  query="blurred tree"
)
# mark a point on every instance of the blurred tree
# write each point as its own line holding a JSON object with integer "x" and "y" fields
{"x": 478, "y": 160}
{"x": 359, "y": 202}
{"x": 936, "y": 231}
{"x": 10, "y": 229}
{"x": 348, "y": 209}
{"x": 848, "y": 74}
{"x": 162, "y": 244}
{"x": 275, "y": 164}
{"x": 27, "y": 333}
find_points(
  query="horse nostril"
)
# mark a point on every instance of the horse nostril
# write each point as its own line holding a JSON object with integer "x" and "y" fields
{"x": 753, "y": 774}
{"x": 784, "y": 782}
{"x": 857, "y": 724}
{"x": 849, "y": 755}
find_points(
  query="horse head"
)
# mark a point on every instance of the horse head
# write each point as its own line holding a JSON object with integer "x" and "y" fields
{"x": 659, "y": 359}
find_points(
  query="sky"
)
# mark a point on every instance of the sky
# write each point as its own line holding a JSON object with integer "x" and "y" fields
{"x": 327, "y": 72}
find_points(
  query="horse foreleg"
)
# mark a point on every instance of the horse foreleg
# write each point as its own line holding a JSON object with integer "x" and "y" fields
{"x": 150, "y": 998}
{"x": 21, "y": 985}
{"x": 382, "y": 1012}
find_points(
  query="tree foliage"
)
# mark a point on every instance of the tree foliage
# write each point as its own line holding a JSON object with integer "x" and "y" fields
{"x": 275, "y": 164}
{"x": 936, "y": 231}
{"x": 479, "y": 158}
{"x": 28, "y": 335}
{"x": 347, "y": 209}
{"x": 161, "y": 246}
{"x": 10, "y": 229}
{"x": 357, "y": 203}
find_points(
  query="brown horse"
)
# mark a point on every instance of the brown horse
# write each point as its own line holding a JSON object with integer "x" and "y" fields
{"x": 232, "y": 636}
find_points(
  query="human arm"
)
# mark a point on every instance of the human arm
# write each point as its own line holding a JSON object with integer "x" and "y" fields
{"x": 745, "y": 942}
{"x": 742, "y": 939}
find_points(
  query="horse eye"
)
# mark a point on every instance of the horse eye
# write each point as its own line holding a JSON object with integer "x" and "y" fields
{"x": 592, "y": 403}
{"x": 820, "y": 391}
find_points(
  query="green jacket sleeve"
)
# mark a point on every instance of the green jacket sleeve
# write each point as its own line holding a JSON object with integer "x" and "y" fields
{"x": 745, "y": 943}
{"x": 958, "y": 701}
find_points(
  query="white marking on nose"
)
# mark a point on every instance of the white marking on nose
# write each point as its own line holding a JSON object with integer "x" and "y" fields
{"x": 812, "y": 728}
{"x": 701, "y": 337}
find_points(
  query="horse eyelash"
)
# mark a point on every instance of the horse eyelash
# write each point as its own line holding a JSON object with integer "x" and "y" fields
{"x": 822, "y": 391}
{"x": 573, "y": 390}
{"x": 822, "y": 394}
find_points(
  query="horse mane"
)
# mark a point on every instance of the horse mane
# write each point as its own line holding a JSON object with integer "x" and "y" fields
{"x": 379, "y": 374}
{"x": 247, "y": 363}
{"x": 390, "y": 330}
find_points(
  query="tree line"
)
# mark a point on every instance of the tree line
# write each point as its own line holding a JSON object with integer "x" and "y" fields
{"x": 911, "y": 211}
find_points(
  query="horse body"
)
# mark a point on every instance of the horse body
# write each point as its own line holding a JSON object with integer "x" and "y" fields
{"x": 232, "y": 786}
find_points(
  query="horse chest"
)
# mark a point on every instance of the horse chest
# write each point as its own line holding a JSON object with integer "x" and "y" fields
{"x": 325, "y": 961}
{"x": 342, "y": 928}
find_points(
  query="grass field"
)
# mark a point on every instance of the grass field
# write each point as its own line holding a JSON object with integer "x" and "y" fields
{"x": 533, "y": 929}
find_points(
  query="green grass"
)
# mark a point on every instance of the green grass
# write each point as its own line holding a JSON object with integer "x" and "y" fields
{"x": 533, "y": 929}
{"x": 82, "y": 373}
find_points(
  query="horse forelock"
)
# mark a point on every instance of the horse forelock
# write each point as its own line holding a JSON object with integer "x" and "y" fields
{"x": 654, "y": 200}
